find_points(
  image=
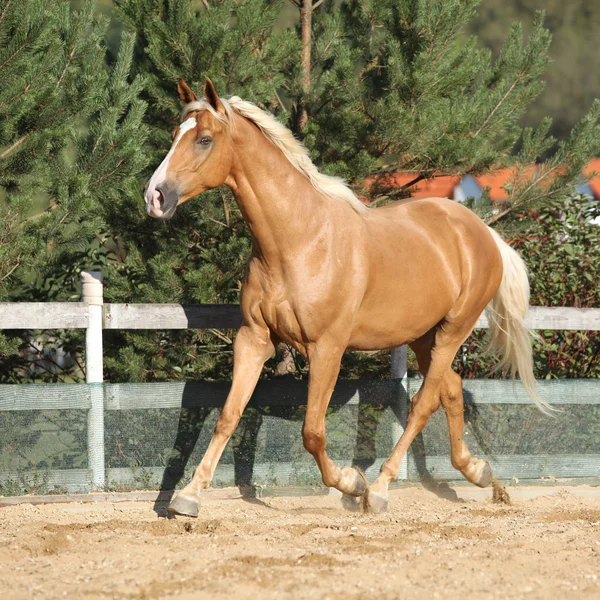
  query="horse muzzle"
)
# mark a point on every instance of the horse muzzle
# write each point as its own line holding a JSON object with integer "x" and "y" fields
{"x": 161, "y": 201}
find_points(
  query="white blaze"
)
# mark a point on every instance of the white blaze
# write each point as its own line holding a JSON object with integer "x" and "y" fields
{"x": 152, "y": 196}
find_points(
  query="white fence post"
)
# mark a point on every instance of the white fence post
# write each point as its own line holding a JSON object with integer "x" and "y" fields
{"x": 92, "y": 294}
{"x": 399, "y": 362}
{"x": 399, "y": 373}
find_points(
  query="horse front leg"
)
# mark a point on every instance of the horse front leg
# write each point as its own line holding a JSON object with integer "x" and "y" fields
{"x": 324, "y": 363}
{"x": 252, "y": 347}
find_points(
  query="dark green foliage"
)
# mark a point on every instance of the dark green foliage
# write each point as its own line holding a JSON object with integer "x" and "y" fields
{"x": 198, "y": 256}
{"x": 570, "y": 82}
{"x": 71, "y": 134}
{"x": 71, "y": 143}
{"x": 232, "y": 41}
{"x": 419, "y": 95}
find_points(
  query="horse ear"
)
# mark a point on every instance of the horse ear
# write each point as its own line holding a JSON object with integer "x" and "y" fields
{"x": 185, "y": 93}
{"x": 213, "y": 97}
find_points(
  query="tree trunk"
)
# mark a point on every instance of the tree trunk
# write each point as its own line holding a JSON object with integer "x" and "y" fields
{"x": 306, "y": 22}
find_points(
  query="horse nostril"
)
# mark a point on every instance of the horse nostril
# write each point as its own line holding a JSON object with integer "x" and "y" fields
{"x": 159, "y": 196}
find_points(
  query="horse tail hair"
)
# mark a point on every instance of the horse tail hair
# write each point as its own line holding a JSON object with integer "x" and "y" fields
{"x": 509, "y": 337}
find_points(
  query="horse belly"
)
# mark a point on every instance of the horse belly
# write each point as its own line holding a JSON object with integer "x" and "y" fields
{"x": 383, "y": 329}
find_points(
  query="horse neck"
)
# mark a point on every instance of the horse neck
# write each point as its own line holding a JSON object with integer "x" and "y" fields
{"x": 279, "y": 204}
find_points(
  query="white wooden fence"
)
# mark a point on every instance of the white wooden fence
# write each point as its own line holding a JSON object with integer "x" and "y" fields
{"x": 93, "y": 315}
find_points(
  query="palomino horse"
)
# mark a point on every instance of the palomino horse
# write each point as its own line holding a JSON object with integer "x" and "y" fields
{"x": 328, "y": 274}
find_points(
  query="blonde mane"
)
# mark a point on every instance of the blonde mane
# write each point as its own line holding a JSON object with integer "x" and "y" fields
{"x": 293, "y": 150}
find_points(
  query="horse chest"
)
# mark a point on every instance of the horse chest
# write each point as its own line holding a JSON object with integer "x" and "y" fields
{"x": 295, "y": 321}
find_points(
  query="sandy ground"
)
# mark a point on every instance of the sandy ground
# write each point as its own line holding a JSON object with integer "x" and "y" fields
{"x": 307, "y": 547}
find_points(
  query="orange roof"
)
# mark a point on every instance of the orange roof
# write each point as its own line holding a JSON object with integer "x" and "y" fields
{"x": 496, "y": 180}
{"x": 594, "y": 165}
{"x": 442, "y": 186}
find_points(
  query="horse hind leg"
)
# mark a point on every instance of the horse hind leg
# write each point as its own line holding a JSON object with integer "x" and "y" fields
{"x": 473, "y": 469}
{"x": 425, "y": 402}
{"x": 435, "y": 352}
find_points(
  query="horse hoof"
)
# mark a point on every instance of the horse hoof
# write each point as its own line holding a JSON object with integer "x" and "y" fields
{"x": 354, "y": 482}
{"x": 486, "y": 476}
{"x": 184, "y": 505}
{"x": 375, "y": 503}
{"x": 350, "y": 503}
{"x": 361, "y": 485}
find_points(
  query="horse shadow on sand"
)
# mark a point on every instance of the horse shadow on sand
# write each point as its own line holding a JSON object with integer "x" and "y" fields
{"x": 285, "y": 398}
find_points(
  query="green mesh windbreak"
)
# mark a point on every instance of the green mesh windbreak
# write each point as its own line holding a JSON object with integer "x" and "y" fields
{"x": 155, "y": 434}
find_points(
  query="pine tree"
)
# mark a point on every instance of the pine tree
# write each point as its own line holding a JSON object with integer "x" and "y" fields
{"x": 71, "y": 144}
{"x": 570, "y": 82}
{"x": 401, "y": 87}
{"x": 370, "y": 86}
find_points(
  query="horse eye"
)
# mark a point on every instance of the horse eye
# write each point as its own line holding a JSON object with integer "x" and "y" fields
{"x": 205, "y": 141}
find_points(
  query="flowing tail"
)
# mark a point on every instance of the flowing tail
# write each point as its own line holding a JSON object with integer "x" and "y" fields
{"x": 509, "y": 337}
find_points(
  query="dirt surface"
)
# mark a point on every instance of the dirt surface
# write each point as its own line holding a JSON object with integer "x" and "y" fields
{"x": 308, "y": 547}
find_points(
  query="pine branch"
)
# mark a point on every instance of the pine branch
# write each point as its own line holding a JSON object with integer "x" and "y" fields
{"x": 413, "y": 182}
{"x": 28, "y": 86}
{"x": 17, "y": 265}
{"x": 75, "y": 27}
{"x": 499, "y": 216}
{"x": 104, "y": 177}
{"x": 3, "y": 15}
{"x": 221, "y": 336}
{"x": 53, "y": 206}
{"x": 26, "y": 41}
{"x": 501, "y": 101}
{"x": 14, "y": 146}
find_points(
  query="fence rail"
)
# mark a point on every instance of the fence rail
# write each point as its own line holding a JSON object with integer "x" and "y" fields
{"x": 172, "y": 316}
{"x": 75, "y": 315}
{"x": 91, "y": 314}
{"x": 44, "y": 315}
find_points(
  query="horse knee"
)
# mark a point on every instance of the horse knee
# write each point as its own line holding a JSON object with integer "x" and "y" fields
{"x": 313, "y": 440}
{"x": 227, "y": 424}
{"x": 451, "y": 394}
{"x": 452, "y": 387}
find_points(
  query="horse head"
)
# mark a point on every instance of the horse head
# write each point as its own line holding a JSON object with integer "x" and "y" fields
{"x": 200, "y": 157}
